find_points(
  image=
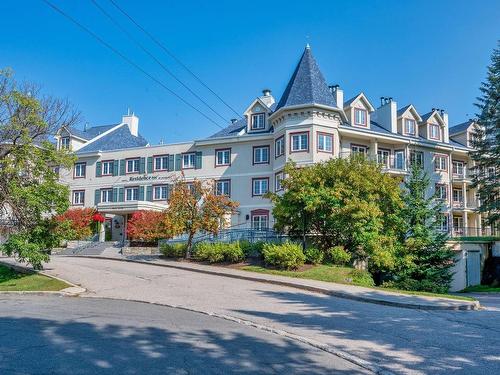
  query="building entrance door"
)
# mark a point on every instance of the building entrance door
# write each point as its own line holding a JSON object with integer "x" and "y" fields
{"x": 117, "y": 228}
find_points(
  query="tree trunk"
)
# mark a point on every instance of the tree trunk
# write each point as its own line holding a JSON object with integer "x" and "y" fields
{"x": 189, "y": 245}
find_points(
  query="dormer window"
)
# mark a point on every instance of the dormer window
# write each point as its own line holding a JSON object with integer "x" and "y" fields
{"x": 65, "y": 143}
{"x": 434, "y": 132}
{"x": 258, "y": 121}
{"x": 359, "y": 117}
{"x": 410, "y": 126}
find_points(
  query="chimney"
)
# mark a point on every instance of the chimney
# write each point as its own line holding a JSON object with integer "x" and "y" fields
{"x": 387, "y": 114}
{"x": 338, "y": 94}
{"x": 233, "y": 120}
{"x": 446, "y": 134}
{"x": 267, "y": 98}
{"x": 133, "y": 123}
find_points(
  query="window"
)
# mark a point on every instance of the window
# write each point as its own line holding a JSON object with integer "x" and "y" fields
{"x": 80, "y": 170}
{"x": 357, "y": 149}
{"x": 188, "y": 160}
{"x": 440, "y": 162}
{"x": 279, "y": 147}
{"x": 443, "y": 223}
{"x": 222, "y": 157}
{"x": 258, "y": 121}
{"x": 160, "y": 192}
{"x": 65, "y": 143}
{"x": 458, "y": 224}
{"x": 223, "y": 187}
{"x": 458, "y": 168}
{"x": 383, "y": 157}
{"x": 132, "y": 194}
{"x": 417, "y": 158}
{"x": 325, "y": 142}
{"x": 260, "y": 222}
{"x": 299, "y": 142}
{"x": 133, "y": 165}
{"x": 434, "y": 132}
{"x": 161, "y": 163}
{"x": 107, "y": 168}
{"x": 260, "y": 186}
{"x": 79, "y": 197}
{"x": 441, "y": 192}
{"x": 261, "y": 155}
{"x": 410, "y": 126}
{"x": 399, "y": 160}
{"x": 458, "y": 196}
{"x": 278, "y": 179}
{"x": 106, "y": 195}
{"x": 359, "y": 117}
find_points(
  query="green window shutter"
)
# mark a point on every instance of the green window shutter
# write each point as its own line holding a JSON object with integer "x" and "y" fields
{"x": 142, "y": 165}
{"x": 115, "y": 167}
{"x": 169, "y": 190}
{"x": 149, "y": 193}
{"x": 98, "y": 169}
{"x": 150, "y": 165}
{"x": 114, "y": 198}
{"x": 121, "y": 195}
{"x": 171, "y": 162}
{"x": 198, "y": 160}
{"x": 141, "y": 193}
{"x": 122, "y": 167}
{"x": 178, "y": 162}
{"x": 97, "y": 197}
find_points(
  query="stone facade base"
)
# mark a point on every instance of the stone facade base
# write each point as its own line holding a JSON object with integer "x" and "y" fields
{"x": 140, "y": 251}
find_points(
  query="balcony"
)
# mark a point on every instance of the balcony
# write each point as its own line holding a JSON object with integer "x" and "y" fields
{"x": 458, "y": 231}
{"x": 460, "y": 204}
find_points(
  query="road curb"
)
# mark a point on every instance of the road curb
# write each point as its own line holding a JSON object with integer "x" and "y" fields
{"x": 465, "y": 306}
{"x": 72, "y": 291}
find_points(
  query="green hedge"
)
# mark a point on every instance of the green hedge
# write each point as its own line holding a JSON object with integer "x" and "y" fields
{"x": 283, "y": 256}
{"x": 175, "y": 250}
{"x": 338, "y": 255}
{"x": 217, "y": 252}
{"x": 314, "y": 255}
{"x": 252, "y": 249}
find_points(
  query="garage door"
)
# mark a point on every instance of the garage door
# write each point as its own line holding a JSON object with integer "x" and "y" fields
{"x": 473, "y": 268}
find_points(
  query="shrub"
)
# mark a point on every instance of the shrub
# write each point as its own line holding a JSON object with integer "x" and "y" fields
{"x": 314, "y": 255}
{"x": 75, "y": 224}
{"x": 252, "y": 249}
{"x": 415, "y": 285}
{"x": 361, "y": 277}
{"x": 219, "y": 252}
{"x": 148, "y": 226}
{"x": 174, "y": 250}
{"x": 284, "y": 256}
{"x": 338, "y": 255}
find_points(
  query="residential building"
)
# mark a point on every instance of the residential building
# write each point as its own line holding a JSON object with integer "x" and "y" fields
{"x": 119, "y": 172}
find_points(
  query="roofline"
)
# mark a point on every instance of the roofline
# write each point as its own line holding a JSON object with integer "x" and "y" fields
{"x": 411, "y": 106}
{"x": 298, "y": 106}
{"x": 361, "y": 95}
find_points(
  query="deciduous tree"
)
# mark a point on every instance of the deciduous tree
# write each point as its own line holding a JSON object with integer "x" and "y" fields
{"x": 149, "y": 226}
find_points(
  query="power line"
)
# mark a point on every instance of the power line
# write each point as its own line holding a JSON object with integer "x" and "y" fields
{"x": 138, "y": 44}
{"x": 122, "y": 56}
{"x": 162, "y": 46}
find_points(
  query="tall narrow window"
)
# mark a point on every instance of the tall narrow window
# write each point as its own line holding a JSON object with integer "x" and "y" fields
{"x": 65, "y": 143}
{"x": 441, "y": 192}
{"x": 458, "y": 168}
{"x": 359, "y": 117}
{"x": 80, "y": 169}
{"x": 399, "y": 160}
{"x": 258, "y": 121}
{"x": 79, "y": 197}
{"x": 410, "y": 126}
{"x": 434, "y": 132}
{"x": 417, "y": 158}
{"x": 279, "y": 147}
{"x": 325, "y": 142}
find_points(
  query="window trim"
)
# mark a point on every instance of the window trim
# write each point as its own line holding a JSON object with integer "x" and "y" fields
{"x": 253, "y": 190}
{"x": 84, "y": 170}
{"x": 318, "y": 134}
{"x": 446, "y": 187}
{"x": 217, "y": 150}
{"x": 359, "y": 146}
{"x": 263, "y": 114}
{"x": 461, "y": 193}
{"x": 73, "y": 197}
{"x": 389, "y": 153}
{"x": 282, "y": 139}
{"x": 417, "y": 152}
{"x": 405, "y": 119}
{"x": 153, "y": 192}
{"x": 102, "y": 167}
{"x": 138, "y": 164}
{"x": 259, "y": 213}
{"x": 292, "y": 134}
{"x": 456, "y": 174}
{"x": 268, "y": 155}
{"x": 182, "y": 160}
{"x": 69, "y": 143}
{"x": 154, "y": 162}
{"x": 228, "y": 180}
{"x": 446, "y": 162}
{"x": 365, "y": 125}
{"x": 102, "y": 190}
{"x": 125, "y": 193}
{"x": 400, "y": 152}
{"x": 430, "y": 132}
{"x": 282, "y": 173}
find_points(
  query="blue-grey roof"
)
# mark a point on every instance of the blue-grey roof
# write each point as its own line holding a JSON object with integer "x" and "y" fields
{"x": 349, "y": 102}
{"x": 232, "y": 129}
{"x": 90, "y": 133}
{"x": 460, "y": 127}
{"x": 427, "y": 115}
{"x": 118, "y": 139}
{"x": 403, "y": 110}
{"x": 307, "y": 85}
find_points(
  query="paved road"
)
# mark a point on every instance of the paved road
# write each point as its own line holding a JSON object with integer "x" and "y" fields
{"x": 61, "y": 335}
{"x": 402, "y": 340}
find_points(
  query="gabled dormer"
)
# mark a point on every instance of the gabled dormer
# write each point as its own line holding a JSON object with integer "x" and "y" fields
{"x": 408, "y": 120}
{"x": 257, "y": 115}
{"x": 358, "y": 111}
{"x": 464, "y": 133}
{"x": 68, "y": 138}
{"x": 433, "y": 127}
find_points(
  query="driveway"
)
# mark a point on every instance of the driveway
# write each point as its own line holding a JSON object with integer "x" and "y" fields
{"x": 54, "y": 335}
{"x": 401, "y": 340}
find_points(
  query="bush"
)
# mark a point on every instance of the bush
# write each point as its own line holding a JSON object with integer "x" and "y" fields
{"x": 219, "y": 252}
{"x": 415, "y": 285}
{"x": 252, "y": 249}
{"x": 174, "y": 250}
{"x": 284, "y": 256}
{"x": 361, "y": 277}
{"x": 314, "y": 255}
{"x": 338, "y": 255}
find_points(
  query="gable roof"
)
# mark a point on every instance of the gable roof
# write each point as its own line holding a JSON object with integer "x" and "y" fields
{"x": 117, "y": 139}
{"x": 363, "y": 98}
{"x": 307, "y": 85}
{"x": 89, "y": 133}
{"x": 461, "y": 127}
{"x": 232, "y": 129}
{"x": 428, "y": 115}
{"x": 411, "y": 108}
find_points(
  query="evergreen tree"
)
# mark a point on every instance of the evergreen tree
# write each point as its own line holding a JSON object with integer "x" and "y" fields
{"x": 427, "y": 260}
{"x": 487, "y": 143}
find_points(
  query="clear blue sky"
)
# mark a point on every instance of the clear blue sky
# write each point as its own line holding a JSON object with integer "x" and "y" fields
{"x": 429, "y": 53}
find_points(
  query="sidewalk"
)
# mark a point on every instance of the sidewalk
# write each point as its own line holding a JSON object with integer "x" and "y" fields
{"x": 338, "y": 290}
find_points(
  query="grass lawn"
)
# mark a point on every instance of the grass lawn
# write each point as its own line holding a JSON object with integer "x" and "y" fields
{"x": 482, "y": 289}
{"x": 11, "y": 280}
{"x": 344, "y": 275}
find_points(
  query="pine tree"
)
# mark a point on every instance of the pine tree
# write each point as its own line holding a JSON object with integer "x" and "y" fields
{"x": 486, "y": 141}
{"x": 428, "y": 261}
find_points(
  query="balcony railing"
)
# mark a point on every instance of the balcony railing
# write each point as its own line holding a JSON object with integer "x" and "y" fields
{"x": 474, "y": 232}
{"x": 471, "y": 204}
{"x": 390, "y": 163}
